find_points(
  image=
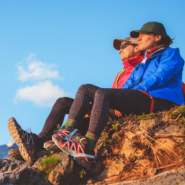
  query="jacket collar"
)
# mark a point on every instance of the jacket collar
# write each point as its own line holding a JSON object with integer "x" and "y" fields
{"x": 130, "y": 64}
{"x": 154, "y": 50}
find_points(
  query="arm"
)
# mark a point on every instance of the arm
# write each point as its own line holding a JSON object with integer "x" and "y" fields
{"x": 135, "y": 77}
{"x": 169, "y": 66}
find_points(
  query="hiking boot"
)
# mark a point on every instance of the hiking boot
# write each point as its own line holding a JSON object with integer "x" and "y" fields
{"x": 15, "y": 154}
{"x": 26, "y": 140}
{"x": 76, "y": 147}
{"x": 64, "y": 133}
{"x": 50, "y": 145}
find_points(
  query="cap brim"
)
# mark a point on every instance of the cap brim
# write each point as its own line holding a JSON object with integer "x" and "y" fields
{"x": 117, "y": 43}
{"x": 135, "y": 33}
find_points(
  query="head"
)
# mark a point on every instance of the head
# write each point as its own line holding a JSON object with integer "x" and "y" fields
{"x": 128, "y": 48}
{"x": 151, "y": 35}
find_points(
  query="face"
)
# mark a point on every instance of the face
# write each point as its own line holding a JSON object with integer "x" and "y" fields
{"x": 128, "y": 53}
{"x": 148, "y": 41}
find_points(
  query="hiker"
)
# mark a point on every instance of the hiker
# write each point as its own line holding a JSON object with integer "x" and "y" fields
{"x": 152, "y": 87}
{"x": 30, "y": 144}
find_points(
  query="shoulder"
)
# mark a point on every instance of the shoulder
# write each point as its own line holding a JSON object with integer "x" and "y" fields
{"x": 171, "y": 51}
{"x": 173, "y": 55}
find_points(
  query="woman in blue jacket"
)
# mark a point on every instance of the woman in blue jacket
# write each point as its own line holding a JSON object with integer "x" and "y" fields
{"x": 152, "y": 87}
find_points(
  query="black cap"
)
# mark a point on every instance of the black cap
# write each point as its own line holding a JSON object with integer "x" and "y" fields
{"x": 150, "y": 27}
{"x": 117, "y": 42}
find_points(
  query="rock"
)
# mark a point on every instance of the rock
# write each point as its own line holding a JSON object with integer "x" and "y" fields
{"x": 63, "y": 172}
{"x": 129, "y": 153}
{"x": 3, "y": 178}
{"x": 5, "y": 148}
{"x": 151, "y": 172}
{"x": 147, "y": 124}
{"x": 90, "y": 181}
{"x": 43, "y": 153}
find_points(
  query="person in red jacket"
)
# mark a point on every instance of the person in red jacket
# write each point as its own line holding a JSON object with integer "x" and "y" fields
{"x": 130, "y": 55}
{"x": 30, "y": 144}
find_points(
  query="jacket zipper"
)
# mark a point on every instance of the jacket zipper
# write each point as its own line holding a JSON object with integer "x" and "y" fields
{"x": 121, "y": 72}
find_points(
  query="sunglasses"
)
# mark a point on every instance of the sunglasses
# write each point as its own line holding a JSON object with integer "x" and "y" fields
{"x": 126, "y": 44}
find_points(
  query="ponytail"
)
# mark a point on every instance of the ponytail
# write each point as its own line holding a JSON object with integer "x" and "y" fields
{"x": 165, "y": 41}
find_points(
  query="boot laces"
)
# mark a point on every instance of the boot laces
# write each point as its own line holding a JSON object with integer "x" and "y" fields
{"x": 27, "y": 133}
{"x": 56, "y": 131}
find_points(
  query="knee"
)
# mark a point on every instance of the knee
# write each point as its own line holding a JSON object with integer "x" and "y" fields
{"x": 84, "y": 87}
{"x": 61, "y": 100}
{"x": 100, "y": 93}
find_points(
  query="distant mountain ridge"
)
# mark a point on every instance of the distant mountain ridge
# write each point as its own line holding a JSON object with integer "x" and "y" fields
{"x": 5, "y": 148}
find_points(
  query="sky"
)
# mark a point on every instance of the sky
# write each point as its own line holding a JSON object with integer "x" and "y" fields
{"x": 49, "y": 48}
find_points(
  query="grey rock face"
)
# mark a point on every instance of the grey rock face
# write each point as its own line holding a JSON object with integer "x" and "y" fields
{"x": 4, "y": 150}
{"x": 14, "y": 172}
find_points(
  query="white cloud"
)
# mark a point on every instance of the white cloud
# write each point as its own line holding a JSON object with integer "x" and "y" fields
{"x": 36, "y": 70}
{"x": 43, "y": 94}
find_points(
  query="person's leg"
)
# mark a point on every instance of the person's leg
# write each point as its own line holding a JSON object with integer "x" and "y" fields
{"x": 83, "y": 125}
{"x": 56, "y": 116}
{"x": 29, "y": 143}
{"x": 81, "y": 105}
{"x": 124, "y": 100}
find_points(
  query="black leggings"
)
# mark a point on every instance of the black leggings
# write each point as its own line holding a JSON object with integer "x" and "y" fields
{"x": 105, "y": 101}
{"x": 126, "y": 101}
{"x": 56, "y": 116}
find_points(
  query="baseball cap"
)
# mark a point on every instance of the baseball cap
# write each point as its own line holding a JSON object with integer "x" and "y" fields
{"x": 117, "y": 42}
{"x": 150, "y": 27}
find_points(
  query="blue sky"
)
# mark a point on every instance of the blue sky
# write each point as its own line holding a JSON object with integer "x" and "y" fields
{"x": 49, "y": 48}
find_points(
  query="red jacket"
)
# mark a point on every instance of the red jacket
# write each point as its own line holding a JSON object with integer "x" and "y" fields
{"x": 123, "y": 75}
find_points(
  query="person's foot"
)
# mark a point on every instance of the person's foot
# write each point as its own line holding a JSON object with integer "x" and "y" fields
{"x": 76, "y": 147}
{"x": 15, "y": 154}
{"x": 50, "y": 145}
{"x": 27, "y": 142}
{"x": 66, "y": 133}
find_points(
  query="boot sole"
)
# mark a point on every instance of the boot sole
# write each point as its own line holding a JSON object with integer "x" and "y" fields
{"x": 13, "y": 128}
{"x": 15, "y": 155}
{"x": 85, "y": 165}
{"x": 25, "y": 153}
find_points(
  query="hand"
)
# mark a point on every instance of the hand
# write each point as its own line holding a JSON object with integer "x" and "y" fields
{"x": 118, "y": 113}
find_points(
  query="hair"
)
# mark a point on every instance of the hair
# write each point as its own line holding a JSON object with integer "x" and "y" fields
{"x": 167, "y": 41}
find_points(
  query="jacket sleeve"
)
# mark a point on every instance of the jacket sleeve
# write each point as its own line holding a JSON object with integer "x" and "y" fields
{"x": 135, "y": 77}
{"x": 169, "y": 66}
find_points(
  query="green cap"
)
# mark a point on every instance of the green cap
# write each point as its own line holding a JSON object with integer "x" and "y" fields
{"x": 117, "y": 42}
{"x": 150, "y": 27}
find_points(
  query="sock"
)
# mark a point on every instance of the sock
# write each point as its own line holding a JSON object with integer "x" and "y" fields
{"x": 70, "y": 123}
{"x": 91, "y": 139}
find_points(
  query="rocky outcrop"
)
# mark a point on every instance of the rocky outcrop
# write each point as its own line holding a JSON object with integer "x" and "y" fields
{"x": 132, "y": 150}
{"x": 5, "y": 148}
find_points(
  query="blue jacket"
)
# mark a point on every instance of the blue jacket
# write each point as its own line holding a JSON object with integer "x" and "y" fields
{"x": 160, "y": 76}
